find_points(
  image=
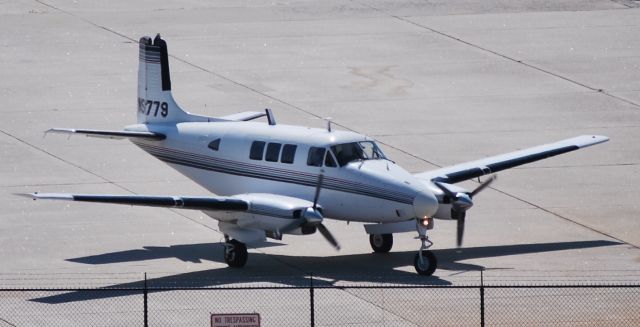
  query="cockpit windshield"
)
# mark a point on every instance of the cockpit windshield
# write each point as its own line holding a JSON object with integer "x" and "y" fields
{"x": 348, "y": 152}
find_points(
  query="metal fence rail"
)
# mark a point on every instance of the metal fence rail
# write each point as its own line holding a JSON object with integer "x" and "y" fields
{"x": 328, "y": 305}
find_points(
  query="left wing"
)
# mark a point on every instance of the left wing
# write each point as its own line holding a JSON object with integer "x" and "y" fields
{"x": 477, "y": 168}
{"x": 282, "y": 214}
{"x": 183, "y": 202}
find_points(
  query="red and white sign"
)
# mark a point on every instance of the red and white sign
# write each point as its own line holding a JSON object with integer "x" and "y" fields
{"x": 235, "y": 320}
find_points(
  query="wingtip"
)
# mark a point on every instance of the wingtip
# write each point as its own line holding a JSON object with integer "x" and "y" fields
{"x": 46, "y": 196}
{"x": 601, "y": 137}
{"x": 32, "y": 196}
{"x": 589, "y": 140}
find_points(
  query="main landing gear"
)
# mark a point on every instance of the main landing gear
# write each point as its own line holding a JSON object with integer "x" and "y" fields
{"x": 381, "y": 243}
{"x": 235, "y": 253}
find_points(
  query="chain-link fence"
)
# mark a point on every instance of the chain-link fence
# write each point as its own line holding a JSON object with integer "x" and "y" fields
{"x": 328, "y": 305}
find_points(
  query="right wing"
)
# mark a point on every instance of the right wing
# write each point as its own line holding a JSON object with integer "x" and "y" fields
{"x": 477, "y": 168}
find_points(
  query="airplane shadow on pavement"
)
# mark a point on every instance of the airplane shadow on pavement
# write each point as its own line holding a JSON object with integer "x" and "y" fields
{"x": 346, "y": 269}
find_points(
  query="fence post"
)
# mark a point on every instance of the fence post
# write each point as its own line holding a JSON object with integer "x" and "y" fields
{"x": 146, "y": 318}
{"x": 481, "y": 298}
{"x": 312, "y": 304}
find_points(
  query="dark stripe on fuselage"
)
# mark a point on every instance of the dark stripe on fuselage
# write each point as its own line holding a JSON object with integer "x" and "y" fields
{"x": 269, "y": 173}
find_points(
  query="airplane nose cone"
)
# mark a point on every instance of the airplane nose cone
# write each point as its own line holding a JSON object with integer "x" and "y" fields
{"x": 425, "y": 204}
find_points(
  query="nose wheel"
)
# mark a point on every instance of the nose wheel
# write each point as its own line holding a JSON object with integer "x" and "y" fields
{"x": 425, "y": 261}
{"x": 235, "y": 254}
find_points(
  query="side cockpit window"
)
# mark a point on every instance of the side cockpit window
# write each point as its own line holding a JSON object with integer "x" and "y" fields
{"x": 329, "y": 161}
{"x": 316, "y": 156}
{"x": 214, "y": 145}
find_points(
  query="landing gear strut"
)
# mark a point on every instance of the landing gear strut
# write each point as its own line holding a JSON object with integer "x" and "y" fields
{"x": 381, "y": 243}
{"x": 425, "y": 261}
{"x": 235, "y": 253}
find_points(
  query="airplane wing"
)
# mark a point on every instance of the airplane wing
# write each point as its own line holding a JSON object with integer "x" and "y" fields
{"x": 109, "y": 134}
{"x": 182, "y": 202}
{"x": 283, "y": 214}
{"x": 477, "y": 168}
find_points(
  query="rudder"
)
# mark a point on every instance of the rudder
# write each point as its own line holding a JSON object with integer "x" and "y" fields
{"x": 155, "y": 101}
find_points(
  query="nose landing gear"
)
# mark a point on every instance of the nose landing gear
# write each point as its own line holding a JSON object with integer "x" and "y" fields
{"x": 425, "y": 261}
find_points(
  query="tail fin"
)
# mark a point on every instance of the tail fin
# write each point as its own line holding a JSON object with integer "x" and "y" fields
{"x": 155, "y": 102}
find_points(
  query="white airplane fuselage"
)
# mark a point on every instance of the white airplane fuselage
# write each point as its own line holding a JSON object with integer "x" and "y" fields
{"x": 273, "y": 179}
{"x": 373, "y": 190}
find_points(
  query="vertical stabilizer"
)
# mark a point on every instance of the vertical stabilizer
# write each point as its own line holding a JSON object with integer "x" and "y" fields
{"x": 155, "y": 102}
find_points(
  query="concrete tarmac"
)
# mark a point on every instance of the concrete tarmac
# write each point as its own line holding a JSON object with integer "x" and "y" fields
{"x": 436, "y": 83}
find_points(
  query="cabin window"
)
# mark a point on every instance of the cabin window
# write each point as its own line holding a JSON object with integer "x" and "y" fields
{"x": 288, "y": 153}
{"x": 257, "y": 149}
{"x": 214, "y": 145}
{"x": 273, "y": 152}
{"x": 329, "y": 161}
{"x": 316, "y": 156}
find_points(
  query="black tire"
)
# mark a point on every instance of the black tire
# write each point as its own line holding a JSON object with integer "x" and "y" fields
{"x": 429, "y": 266}
{"x": 236, "y": 256}
{"x": 381, "y": 243}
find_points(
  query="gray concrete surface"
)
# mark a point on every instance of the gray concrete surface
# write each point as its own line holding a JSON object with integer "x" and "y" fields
{"x": 436, "y": 83}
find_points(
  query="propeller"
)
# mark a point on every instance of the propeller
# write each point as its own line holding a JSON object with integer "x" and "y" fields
{"x": 313, "y": 216}
{"x": 461, "y": 202}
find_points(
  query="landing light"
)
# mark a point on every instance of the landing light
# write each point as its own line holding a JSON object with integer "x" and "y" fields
{"x": 427, "y": 222}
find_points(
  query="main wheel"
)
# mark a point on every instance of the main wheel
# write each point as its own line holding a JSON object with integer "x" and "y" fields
{"x": 235, "y": 254}
{"x": 381, "y": 243}
{"x": 428, "y": 265}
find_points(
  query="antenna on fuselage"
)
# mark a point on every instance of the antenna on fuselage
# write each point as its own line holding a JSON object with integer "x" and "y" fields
{"x": 328, "y": 119}
{"x": 270, "y": 118}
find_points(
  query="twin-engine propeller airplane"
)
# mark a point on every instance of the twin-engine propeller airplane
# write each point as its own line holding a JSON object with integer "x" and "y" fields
{"x": 274, "y": 179}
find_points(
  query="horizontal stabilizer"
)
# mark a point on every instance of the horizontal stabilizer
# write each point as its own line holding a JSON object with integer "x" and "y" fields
{"x": 244, "y": 116}
{"x": 109, "y": 134}
{"x": 182, "y": 202}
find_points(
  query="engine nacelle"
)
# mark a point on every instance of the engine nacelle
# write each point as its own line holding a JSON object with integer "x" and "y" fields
{"x": 444, "y": 212}
{"x": 304, "y": 230}
{"x": 444, "y": 202}
{"x": 268, "y": 215}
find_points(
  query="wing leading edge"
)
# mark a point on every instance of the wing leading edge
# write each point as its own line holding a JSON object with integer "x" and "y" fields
{"x": 477, "y": 168}
{"x": 182, "y": 202}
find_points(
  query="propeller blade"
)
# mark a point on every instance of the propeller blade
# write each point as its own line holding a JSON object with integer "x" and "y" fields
{"x": 483, "y": 185}
{"x": 446, "y": 191}
{"x": 318, "y": 187}
{"x": 327, "y": 235}
{"x": 460, "y": 229}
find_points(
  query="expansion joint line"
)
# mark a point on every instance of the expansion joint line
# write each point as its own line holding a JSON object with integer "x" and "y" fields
{"x": 521, "y": 62}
